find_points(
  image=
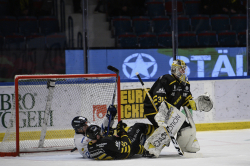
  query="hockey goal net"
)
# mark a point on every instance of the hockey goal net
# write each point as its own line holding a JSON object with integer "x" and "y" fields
{"x": 41, "y": 119}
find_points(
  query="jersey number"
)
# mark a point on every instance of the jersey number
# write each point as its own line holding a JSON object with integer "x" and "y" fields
{"x": 158, "y": 99}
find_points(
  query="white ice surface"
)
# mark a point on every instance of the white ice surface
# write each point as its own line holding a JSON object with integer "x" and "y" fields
{"x": 218, "y": 148}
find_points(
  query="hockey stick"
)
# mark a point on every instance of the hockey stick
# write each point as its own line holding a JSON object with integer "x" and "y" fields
{"x": 50, "y": 86}
{"x": 170, "y": 135}
{"x": 112, "y": 68}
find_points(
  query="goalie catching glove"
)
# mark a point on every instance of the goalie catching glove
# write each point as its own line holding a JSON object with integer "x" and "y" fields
{"x": 202, "y": 103}
{"x": 121, "y": 128}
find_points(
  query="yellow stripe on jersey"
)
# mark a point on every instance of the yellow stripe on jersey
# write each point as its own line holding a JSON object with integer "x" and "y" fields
{"x": 151, "y": 129}
{"x": 129, "y": 140}
{"x": 189, "y": 97}
{"x": 177, "y": 101}
{"x": 172, "y": 82}
{"x": 186, "y": 101}
{"x": 155, "y": 99}
{"x": 108, "y": 158}
{"x": 141, "y": 149}
{"x": 150, "y": 114}
{"x": 125, "y": 149}
{"x": 124, "y": 136}
{"x": 102, "y": 156}
{"x": 129, "y": 149}
{"x": 128, "y": 152}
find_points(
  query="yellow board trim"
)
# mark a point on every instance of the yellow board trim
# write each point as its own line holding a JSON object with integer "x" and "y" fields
{"x": 222, "y": 126}
{"x": 50, "y": 134}
{"x": 53, "y": 134}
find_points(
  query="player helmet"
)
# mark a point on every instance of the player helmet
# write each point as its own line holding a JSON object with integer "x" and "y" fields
{"x": 92, "y": 131}
{"x": 78, "y": 122}
{"x": 178, "y": 69}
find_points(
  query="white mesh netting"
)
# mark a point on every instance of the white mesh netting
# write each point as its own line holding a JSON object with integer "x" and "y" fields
{"x": 88, "y": 97}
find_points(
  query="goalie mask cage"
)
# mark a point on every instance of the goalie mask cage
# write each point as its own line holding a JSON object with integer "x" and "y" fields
{"x": 41, "y": 119}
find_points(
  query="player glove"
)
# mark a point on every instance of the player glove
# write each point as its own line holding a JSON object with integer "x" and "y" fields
{"x": 111, "y": 111}
{"x": 121, "y": 128}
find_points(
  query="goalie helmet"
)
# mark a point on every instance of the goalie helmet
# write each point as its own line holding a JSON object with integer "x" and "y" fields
{"x": 78, "y": 122}
{"x": 178, "y": 68}
{"x": 92, "y": 131}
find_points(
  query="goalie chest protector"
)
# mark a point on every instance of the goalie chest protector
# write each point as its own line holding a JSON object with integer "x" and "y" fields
{"x": 168, "y": 88}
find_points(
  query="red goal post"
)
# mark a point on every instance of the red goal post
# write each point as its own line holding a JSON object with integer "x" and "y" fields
{"x": 41, "y": 119}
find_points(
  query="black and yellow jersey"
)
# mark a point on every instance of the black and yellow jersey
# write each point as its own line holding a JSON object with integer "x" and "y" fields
{"x": 167, "y": 88}
{"x": 110, "y": 148}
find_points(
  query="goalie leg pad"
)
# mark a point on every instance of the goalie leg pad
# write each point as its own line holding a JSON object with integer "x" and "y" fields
{"x": 174, "y": 120}
{"x": 155, "y": 143}
{"x": 187, "y": 140}
{"x": 164, "y": 114}
{"x": 170, "y": 116}
{"x": 186, "y": 137}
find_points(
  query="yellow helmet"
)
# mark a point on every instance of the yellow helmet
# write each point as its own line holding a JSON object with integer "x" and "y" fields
{"x": 178, "y": 69}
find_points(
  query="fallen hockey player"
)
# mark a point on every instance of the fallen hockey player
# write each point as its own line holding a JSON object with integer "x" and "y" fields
{"x": 122, "y": 146}
{"x": 134, "y": 135}
{"x": 80, "y": 124}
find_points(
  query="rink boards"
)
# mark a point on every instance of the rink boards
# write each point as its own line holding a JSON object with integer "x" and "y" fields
{"x": 230, "y": 111}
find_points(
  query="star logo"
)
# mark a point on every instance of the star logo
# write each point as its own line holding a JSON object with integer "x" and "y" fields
{"x": 142, "y": 63}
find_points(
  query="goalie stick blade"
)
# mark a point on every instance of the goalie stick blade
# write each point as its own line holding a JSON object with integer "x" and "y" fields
{"x": 112, "y": 68}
